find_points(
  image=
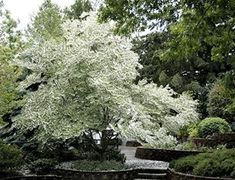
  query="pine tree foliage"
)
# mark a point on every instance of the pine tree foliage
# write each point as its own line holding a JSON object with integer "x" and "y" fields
{"x": 9, "y": 35}
{"x": 47, "y": 24}
{"x": 8, "y": 87}
{"x": 89, "y": 85}
{"x": 76, "y": 10}
{"x": 10, "y": 44}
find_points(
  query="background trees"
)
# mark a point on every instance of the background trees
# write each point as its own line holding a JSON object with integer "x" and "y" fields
{"x": 194, "y": 38}
{"x": 76, "y": 10}
{"x": 10, "y": 44}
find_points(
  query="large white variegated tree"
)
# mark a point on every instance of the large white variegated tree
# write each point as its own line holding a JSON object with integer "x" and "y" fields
{"x": 88, "y": 84}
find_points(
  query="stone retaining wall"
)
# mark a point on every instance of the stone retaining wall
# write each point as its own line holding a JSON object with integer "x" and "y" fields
{"x": 46, "y": 177}
{"x": 162, "y": 154}
{"x": 130, "y": 174}
{"x": 227, "y": 139}
{"x": 133, "y": 143}
{"x": 172, "y": 175}
{"x": 101, "y": 175}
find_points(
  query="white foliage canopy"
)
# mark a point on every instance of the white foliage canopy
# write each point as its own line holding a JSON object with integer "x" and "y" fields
{"x": 90, "y": 85}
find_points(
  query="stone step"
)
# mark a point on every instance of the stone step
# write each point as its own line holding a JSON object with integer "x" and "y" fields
{"x": 151, "y": 176}
{"x": 148, "y": 179}
{"x": 154, "y": 171}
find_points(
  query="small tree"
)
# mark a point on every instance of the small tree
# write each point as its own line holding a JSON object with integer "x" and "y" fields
{"x": 89, "y": 86}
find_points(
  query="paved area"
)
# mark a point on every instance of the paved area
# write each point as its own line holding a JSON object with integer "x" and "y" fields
{"x": 141, "y": 163}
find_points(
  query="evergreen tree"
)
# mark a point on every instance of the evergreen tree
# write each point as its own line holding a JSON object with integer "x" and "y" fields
{"x": 10, "y": 44}
{"x": 76, "y": 10}
{"x": 47, "y": 24}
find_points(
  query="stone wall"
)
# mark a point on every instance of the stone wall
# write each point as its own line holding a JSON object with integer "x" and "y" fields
{"x": 162, "y": 154}
{"x": 172, "y": 175}
{"x": 101, "y": 175}
{"x": 133, "y": 143}
{"x": 227, "y": 139}
{"x": 46, "y": 177}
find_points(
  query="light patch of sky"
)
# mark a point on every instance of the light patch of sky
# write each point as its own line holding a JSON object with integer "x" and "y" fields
{"x": 23, "y": 10}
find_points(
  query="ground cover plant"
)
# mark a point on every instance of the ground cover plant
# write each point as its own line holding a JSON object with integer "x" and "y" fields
{"x": 86, "y": 165}
{"x": 219, "y": 163}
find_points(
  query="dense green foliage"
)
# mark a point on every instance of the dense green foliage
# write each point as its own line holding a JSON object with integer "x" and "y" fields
{"x": 76, "y": 9}
{"x": 209, "y": 126}
{"x": 47, "y": 24}
{"x": 10, "y": 44}
{"x": 11, "y": 157}
{"x": 183, "y": 75}
{"x": 220, "y": 163}
{"x": 138, "y": 15}
{"x": 98, "y": 165}
{"x": 8, "y": 86}
{"x": 221, "y": 100}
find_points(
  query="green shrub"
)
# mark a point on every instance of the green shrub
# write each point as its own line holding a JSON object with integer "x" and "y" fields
{"x": 218, "y": 163}
{"x": 209, "y": 126}
{"x": 207, "y": 167}
{"x": 112, "y": 154}
{"x": 86, "y": 165}
{"x": 184, "y": 165}
{"x": 11, "y": 157}
{"x": 227, "y": 166}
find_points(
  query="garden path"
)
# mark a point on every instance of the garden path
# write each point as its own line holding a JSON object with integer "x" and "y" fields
{"x": 141, "y": 163}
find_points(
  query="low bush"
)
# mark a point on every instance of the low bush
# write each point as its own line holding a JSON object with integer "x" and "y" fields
{"x": 217, "y": 163}
{"x": 113, "y": 154}
{"x": 86, "y": 165}
{"x": 209, "y": 126}
{"x": 11, "y": 157}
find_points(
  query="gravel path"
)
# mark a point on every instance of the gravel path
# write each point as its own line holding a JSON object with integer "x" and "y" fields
{"x": 141, "y": 163}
